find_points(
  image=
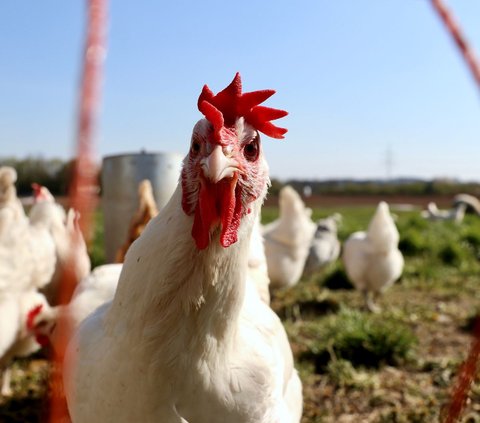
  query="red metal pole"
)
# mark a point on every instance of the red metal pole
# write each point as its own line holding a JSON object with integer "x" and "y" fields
{"x": 469, "y": 368}
{"x": 460, "y": 40}
{"x": 84, "y": 187}
{"x": 466, "y": 375}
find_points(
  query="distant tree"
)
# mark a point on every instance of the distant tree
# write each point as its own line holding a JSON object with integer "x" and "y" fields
{"x": 52, "y": 173}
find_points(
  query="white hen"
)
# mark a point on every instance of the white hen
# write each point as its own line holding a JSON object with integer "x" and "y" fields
{"x": 91, "y": 292}
{"x": 288, "y": 239}
{"x": 186, "y": 338}
{"x": 67, "y": 237}
{"x": 27, "y": 261}
{"x": 18, "y": 265}
{"x": 22, "y": 341}
{"x": 11, "y": 209}
{"x": 372, "y": 259}
{"x": 457, "y": 213}
{"x": 325, "y": 247}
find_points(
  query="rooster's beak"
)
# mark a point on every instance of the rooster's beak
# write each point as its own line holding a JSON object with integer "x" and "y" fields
{"x": 219, "y": 165}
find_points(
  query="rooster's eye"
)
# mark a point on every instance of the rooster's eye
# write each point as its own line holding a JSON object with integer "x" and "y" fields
{"x": 252, "y": 150}
{"x": 195, "y": 148}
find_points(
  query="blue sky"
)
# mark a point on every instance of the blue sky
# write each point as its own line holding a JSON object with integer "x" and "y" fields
{"x": 358, "y": 78}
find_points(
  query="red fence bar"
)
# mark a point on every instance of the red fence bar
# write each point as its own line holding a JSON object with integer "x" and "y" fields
{"x": 83, "y": 190}
{"x": 460, "y": 40}
{"x": 469, "y": 368}
{"x": 466, "y": 376}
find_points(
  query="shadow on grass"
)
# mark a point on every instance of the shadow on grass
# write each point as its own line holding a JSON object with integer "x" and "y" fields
{"x": 31, "y": 409}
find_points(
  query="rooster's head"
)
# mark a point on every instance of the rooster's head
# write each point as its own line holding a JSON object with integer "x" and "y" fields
{"x": 224, "y": 170}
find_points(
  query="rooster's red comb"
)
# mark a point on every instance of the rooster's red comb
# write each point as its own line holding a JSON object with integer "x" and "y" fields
{"x": 229, "y": 104}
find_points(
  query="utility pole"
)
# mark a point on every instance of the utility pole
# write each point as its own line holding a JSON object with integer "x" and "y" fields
{"x": 389, "y": 162}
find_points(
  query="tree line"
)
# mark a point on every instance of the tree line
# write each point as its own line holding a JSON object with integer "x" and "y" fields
{"x": 56, "y": 175}
{"x": 352, "y": 187}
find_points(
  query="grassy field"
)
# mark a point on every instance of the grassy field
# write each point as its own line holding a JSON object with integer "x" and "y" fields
{"x": 398, "y": 366}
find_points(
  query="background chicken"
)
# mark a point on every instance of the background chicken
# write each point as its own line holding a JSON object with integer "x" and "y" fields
{"x": 325, "y": 247}
{"x": 186, "y": 338}
{"x": 91, "y": 292}
{"x": 16, "y": 244}
{"x": 68, "y": 240}
{"x": 288, "y": 239}
{"x": 372, "y": 259}
{"x": 24, "y": 342}
{"x": 11, "y": 209}
{"x": 27, "y": 262}
{"x": 456, "y": 214}
{"x": 147, "y": 209}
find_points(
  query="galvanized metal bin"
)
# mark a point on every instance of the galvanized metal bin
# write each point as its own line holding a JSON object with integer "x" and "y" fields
{"x": 121, "y": 175}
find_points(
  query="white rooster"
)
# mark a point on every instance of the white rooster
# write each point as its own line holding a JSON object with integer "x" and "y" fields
{"x": 372, "y": 259}
{"x": 288, "y": 239}
{"x": 186, "y": 338}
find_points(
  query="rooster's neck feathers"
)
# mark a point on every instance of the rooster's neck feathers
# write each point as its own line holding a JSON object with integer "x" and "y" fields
{"x": 182, "y": 285}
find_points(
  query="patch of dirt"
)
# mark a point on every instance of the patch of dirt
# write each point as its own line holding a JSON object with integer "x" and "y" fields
{"x": 415, "y": 392}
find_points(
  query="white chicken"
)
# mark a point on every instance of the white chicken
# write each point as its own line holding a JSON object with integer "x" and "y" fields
{"x": 16, "y": 266}
{"x": 27, "y": 262}
{"x": 91, "y": 292}
{"x": 288, "y": 240}
{"x": 11, "y": 209}
{"x": 456, "y": 214}
{"x": 67, "y": 237}
{"x": 23, "y": 307}
{"x": 372, "y": 259}
{"x": 325, "y": 247}
{"x": 186, "y": 338}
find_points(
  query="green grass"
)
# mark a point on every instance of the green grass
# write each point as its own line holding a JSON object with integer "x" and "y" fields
{"x": 361, "y": 338}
